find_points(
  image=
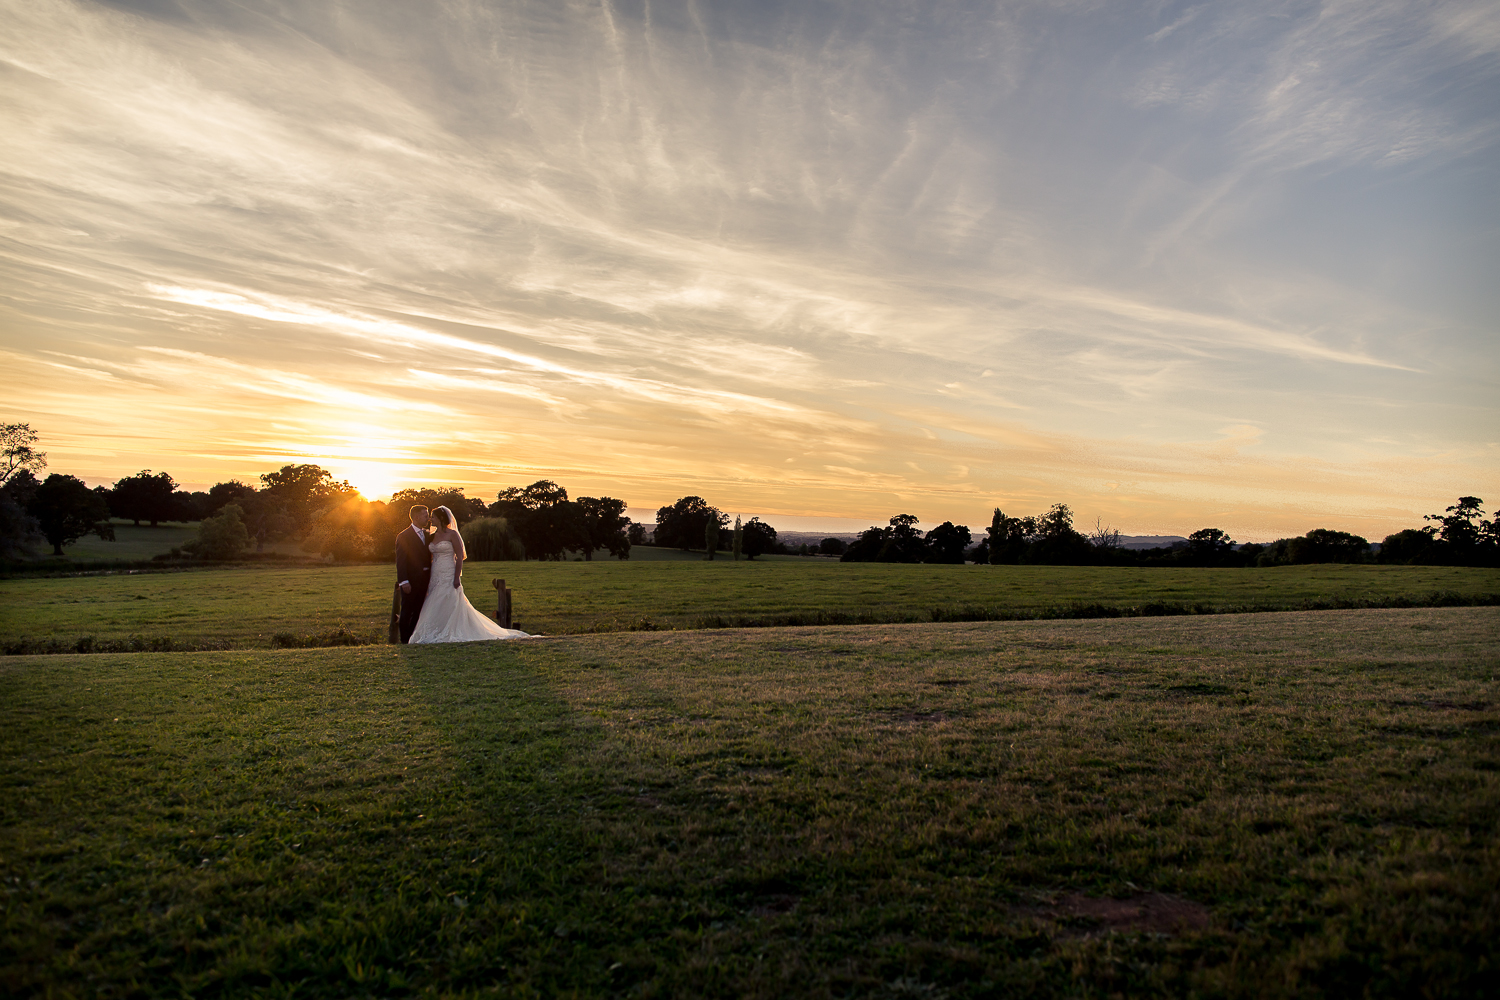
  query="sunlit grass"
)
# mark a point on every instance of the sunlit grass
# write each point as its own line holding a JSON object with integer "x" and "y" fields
{"x": 248, "y": 607}
{"x": 877, "y": 811}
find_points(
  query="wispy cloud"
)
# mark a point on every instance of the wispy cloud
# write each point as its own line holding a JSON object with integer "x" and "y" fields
{"x": 858, "y": 256}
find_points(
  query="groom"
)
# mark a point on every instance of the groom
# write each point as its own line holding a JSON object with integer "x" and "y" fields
{"x": 413, "y": 567}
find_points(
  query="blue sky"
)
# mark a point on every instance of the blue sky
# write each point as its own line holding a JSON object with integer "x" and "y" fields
{"x": 1177, "y": 265}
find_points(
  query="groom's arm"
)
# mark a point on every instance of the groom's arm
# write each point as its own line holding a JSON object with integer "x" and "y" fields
{"x": 403, "y": 571}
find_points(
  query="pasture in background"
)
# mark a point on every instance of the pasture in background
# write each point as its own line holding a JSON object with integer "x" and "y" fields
{"x": 264, "y": 606}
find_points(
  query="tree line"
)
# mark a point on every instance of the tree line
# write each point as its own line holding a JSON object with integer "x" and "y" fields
{"x": 306, "y": 504}
{"x": 1460, "y": 536}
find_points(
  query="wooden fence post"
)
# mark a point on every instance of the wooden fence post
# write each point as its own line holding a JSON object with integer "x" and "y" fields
{"x": 395, "y": 630}
{"x": 502, "y": 602}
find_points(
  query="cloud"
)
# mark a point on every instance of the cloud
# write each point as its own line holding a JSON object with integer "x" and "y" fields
{"x": 800, "y": 254}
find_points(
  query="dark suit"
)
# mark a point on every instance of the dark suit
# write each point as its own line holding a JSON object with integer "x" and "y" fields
{"x": 414, "y": 565}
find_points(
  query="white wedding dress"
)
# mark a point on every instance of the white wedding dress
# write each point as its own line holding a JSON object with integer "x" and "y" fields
{"x": 447, "y": 615}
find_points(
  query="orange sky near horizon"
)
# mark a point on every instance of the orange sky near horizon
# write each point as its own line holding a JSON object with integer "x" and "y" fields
{"x": 818, "y": 263}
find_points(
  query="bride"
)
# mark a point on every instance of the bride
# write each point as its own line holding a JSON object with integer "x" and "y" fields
{"x": 447, "y": 615}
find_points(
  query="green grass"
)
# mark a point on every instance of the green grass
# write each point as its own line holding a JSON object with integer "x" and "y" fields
{"x": 939, "y": 810}
{"x": 248, "y": 606}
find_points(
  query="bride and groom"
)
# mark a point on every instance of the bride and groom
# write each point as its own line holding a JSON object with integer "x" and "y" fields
{"x": 429, "y": 571}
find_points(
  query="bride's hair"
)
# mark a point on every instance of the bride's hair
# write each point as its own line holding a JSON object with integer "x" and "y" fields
{"x": 444, "y": 515}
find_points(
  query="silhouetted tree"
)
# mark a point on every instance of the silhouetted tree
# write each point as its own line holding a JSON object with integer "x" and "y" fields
{"x": 636, "y": 533}
{"x": 303, "y": 491}
{"x": 833, "y": 546}
{"x": 19, "y": 531}
{"x": 758, "y": 538}
{"x": 145, "y": 496}
{"x": 737, "y": 543}
{"x": 1322, "y": 545}
{"x": 897, "y": 542}
{"x": 66, "y": 509}
{"x": 18, "y": 451}
{"x": 682, "y": 525}
{"x": 220, "y": 494}
{"x": 603, "y": 526}
{"x": 947, "y": 543}
{"x": 1412, "y": 545}
{"x": 541, "y": 514}
{"x": 1209, "y": 547}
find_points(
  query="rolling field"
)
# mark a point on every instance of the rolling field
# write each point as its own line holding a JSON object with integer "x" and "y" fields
{"x": 248, "y": 607}
{"x": 1297, "y": 804}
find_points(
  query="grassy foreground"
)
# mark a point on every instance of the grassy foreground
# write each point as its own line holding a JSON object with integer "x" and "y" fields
{"x": 250, "y": 607}
{"x": 1265, "y": 805}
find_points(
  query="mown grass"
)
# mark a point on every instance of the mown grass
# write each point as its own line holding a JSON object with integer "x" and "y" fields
{"x": 250, "y": 607}
{"x": 879, "y": 811}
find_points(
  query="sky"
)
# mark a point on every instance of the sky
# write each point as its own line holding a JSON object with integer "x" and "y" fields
{"x": 1176, "y": 265}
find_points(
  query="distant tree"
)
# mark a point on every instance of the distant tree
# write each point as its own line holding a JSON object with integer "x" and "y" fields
{"x": 1462, "y": 525}
{"x": 222, "y": 536}
{"x": 1209, "y": 547}
{"x": 19, "y": 531}
{"x": 1322, "y": 545}
{"x": 353, "y": 528}
{"x": 833, "y": 546}
{"x": 981, "y": 553}
{"x": 947, "y": 543}
{"x": 897, "y": 542}
{"x": 303, "y": 491}
{"x": 636, "y": 533}
{"x": 220, "y": 494}
{"x": 1413, "y": 545}
{"x": 18, "y": 452}
{"x": 758, "y": 538}
{"x": 682, "y": 525}
{"x": 737, "y": 545}
{"x": 548, "y": 524}
{"x": 1104, "y": 536}
{"x": 145, "y": 496}
{"x": 604, "y": 524}
{"x": 865, "y": 548}
{"x": 490, "y": 539}
{"x": 66, "y": 510}
{"x": 1049, "y": 539}
{"x": 710, "y": 538}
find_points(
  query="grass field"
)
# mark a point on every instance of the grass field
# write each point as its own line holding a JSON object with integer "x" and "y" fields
{"x": 247, "y": 607}
{"x": 1252, "y": 805}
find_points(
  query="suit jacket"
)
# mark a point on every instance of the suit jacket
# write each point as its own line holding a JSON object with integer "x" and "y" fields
{"x": 413, "y": 561}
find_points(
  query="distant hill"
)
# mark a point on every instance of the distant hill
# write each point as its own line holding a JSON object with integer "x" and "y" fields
{"x": 1150, "y": 541}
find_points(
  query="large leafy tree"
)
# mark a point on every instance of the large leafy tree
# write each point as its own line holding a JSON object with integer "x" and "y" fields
{"x": 604, "y": 526}
{"x": 898, "y": 542}
{"x": 67, "y": 510}
{"x": 145, "y": 496}
{"x": 465, "y": 509}
{"x": 682, "y": 525}
{"x": 19, "y": 531}
{"x": 1209, "y": 547}
{"x": 548, "y": 523}
{"x": 947, "y": 543}
{"x": 304, "y": 490}
{"x": 757, "y": 538}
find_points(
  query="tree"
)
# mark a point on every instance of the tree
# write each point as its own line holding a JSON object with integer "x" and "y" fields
{"x": 220, "y": 494}
{"x": 898, "y": 542}
{"x": 1467, "y": 538}
{"x": 636, "y": 533}
{"x": 947, "y": 543}
{"x": 604, "y": 524}
{"x": 1323, "y": 545}
{"x": 758, "y": 538}
{"x": 1411, "y": 545}
{"x": 222, "y": 536}
{"x": 66, "y": 510}
{"x": 145, "y": 496}
{"x": 490, "y": 539}
{"x": 19, "y": 531}
{"x": 304, "y": 490}
{"x": 1104, "y": 536}
{"x": 352, "y": 529}
{"x": 1209, "y": 546}
{"x": 738, "y": 543}
{"x": 833, "y": 546}
{"x": 710, "y": 538}
{"x": 17, "y": 453}
{"x": 546, "y": 521}
{"x": 683, "y": 524}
